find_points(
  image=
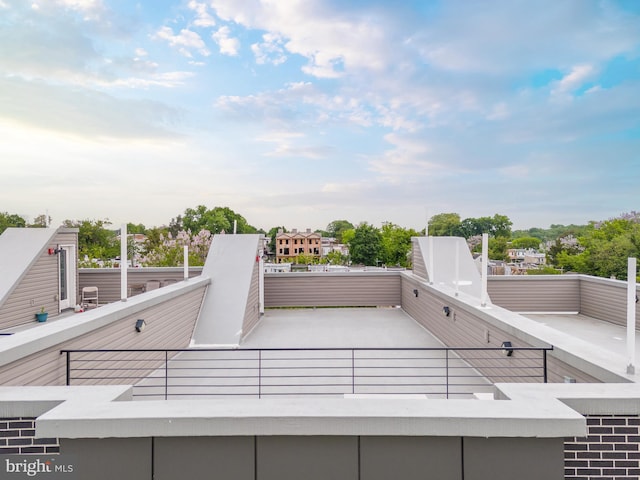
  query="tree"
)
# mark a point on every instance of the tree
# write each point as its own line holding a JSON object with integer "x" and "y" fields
{"x": 500, "y": 226}
{"x": 602, "y": 249}
{"x": 216, "y": 220}
{"x": 170, "y": 252}
{"x": 11, "y": 220}
{"x": 498, "y": 248}
{"x": 396, "y": 244}
{"x": 525, "y": 242}
{"x": 136, "y": 228}
{"x": 336, "y": 228}
{"x": 94, "y": 240}
{"x": 304, "y": 259}
{"x": 335, "y": 257}
{"x": 271, "y": 235}
{"x": 41, "y": 221}
{"x": 444, "y": 225}
{"x": 366, "y": 245}
{"x": 347, "y": 236}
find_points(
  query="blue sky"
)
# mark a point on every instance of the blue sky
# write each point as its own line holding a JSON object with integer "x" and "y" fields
{"x": 301, "y": 112}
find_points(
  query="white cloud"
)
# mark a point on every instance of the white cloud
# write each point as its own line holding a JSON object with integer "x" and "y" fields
{"x": 186, "y": 41}
{"x": 203, "y": 17}
{"x": 499, "y": 111}
{"x": 292, "y": 144}
{"x": 228, "y": 45}
{"x": 410, "y": 158}
{"x": 332, "y": 42}
{"x": 82, "y": 112}
{"x": 270, "y": 50}
{"x": 575, "y": 79}
{"x": 497, "y": 37}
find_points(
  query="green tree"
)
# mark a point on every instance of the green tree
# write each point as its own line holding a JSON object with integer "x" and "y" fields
{"x": 602, "y": 249}
{"x": 336, "y": 228}
{"x": 396, "y": 244}
{"x": 526, "y": 242}
{"x": 444, "y": 225}
{"x": 498, "y": 248}
{"x": 216, "y": 220}
{"x": 366, "y": 245}
{"x": 304, "y": 259}
{"x": 271, "y": 235}
{"x": 41, "y": 221}
{"x": 170, "y": 251}
{"x": 94, "y": 239}
{"x": 136, "y": 228}
{"x": 11, "y": 220}
{"x": 336, "y": 258}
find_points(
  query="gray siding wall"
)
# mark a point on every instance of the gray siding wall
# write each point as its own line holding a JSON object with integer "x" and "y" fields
{"x": 350, "y": 289}
{"x": 605, "y": 299}
{"x": 39, "y": 287}
{"x": 317, "y": 458}
{"x": 419, "y": 268}
{"x": 108, "y": 279}
{"x": 463, "y": 328}
{"x": 548, "y": 293}
{"x": 169, "y": 325}
{"x": 252, "y": 311}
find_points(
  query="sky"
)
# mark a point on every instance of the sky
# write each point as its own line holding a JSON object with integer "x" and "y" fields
{"x": 301, "y": 112}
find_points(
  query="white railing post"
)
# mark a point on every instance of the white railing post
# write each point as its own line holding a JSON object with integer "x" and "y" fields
{"x": 123, "y": 262}
{"x": 185, "y": 254}
{"x": 631, "y": 315}
{"x": 485, "y": 268}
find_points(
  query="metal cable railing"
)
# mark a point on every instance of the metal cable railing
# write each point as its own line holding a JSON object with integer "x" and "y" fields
{"x": 213, "y": 373}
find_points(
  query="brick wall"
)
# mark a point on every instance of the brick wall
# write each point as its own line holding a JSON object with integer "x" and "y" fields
{"x": 17, "y": 436}
{"x": 610, "y": 451}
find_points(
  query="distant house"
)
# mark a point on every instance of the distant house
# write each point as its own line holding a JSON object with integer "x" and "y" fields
{"x": 292, "y": 244}
{"x": 527, "y": 256}
{"x": 329, "y": 244}
{"x": 38, "y": 269}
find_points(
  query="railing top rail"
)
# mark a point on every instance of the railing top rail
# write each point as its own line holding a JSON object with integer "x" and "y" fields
{"x": 301, "y": 349}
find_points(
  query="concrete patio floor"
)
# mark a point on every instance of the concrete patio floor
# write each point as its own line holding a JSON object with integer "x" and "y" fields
{"x": 249, "y": 373}
{"x": 339, "y": 328}
{"x": 602, "y": 335}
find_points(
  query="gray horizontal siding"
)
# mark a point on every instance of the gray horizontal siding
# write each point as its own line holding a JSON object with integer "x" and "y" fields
{"x": 169, "y": 325}
{"x": 552, "y": 293}
{"x": 37, "y": 288}
{"x": 464, "y": 329}
{"x": 419, "y": 268}
{"x": 605, "y": 299}
{"x": 108, "y": 279}
{"x": 349, "y": 289}
{"x": 252, "y": 311}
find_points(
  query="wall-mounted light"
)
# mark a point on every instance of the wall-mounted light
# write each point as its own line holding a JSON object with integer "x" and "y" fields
{"x": 415, "y": 292}
{"x": 507, "y": 348}
{"x": 54, "y": 251}
{"x": 446, "y": 310}
{"x": 140, "y": 324}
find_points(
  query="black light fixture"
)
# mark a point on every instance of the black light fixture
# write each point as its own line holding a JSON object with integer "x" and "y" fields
{"x": 140, "y": 324}
{"x": 446, "y": 310}
{"x": 415, "y": 292}
{"x": 507, "y": 348}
